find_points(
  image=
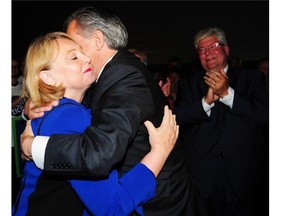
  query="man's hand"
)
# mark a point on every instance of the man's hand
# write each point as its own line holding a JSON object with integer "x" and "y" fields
{"x": 210, "y": 96}
{"x": 166, "y": 88}
{"x": 26, "y": 142}
{"x": 218, "y": 82}
{"x": 32, "y": 112}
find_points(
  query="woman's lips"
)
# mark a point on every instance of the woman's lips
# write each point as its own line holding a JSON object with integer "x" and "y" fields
{"x": 89, "y": 69}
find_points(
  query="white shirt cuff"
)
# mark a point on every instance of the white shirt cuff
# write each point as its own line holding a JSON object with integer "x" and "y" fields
{"x": 228, "y": 99}
{"x": 207, "y": 108}
{"x": 38, "y": 150}
{"x": 23, "y": 116}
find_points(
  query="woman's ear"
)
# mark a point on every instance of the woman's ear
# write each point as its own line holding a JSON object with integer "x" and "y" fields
{"x": 47, "y": 77}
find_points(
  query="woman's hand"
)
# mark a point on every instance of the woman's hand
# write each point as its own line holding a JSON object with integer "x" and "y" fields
{"x": 162, "y": 140}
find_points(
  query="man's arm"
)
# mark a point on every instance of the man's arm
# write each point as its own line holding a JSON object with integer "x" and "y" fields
{"x": 124, "y": 105}
{"x": 253, "y": 103}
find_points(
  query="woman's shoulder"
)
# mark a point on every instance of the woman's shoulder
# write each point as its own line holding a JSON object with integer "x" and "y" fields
{"x": 68, "y": 116}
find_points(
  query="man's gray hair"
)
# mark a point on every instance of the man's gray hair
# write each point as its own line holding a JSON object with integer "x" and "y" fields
{"x": 90, "y": 19}
{"x": 210, "y": 31}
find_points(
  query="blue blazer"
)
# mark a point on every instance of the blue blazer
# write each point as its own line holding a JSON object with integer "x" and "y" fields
{"x": 42, "y": 194}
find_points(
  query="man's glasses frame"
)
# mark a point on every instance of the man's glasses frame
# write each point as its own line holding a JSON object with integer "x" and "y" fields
{"x": 210, "y": 47}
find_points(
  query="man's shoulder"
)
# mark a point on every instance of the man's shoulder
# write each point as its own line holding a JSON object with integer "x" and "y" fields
{"x": 125, "y": 58}
{"x": 250, "y": 74}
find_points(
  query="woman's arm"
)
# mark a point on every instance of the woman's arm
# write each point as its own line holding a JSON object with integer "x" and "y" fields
{"x": 122, "y": 196}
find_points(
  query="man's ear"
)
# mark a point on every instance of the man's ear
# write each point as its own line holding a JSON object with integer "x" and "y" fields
{"x": 227, "y": 50}
{"x": 47, "y": 77}
{"x": 99, "y": 39}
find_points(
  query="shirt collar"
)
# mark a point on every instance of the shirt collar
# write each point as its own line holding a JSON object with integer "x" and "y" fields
{"x": 104, "y": 67}
{"x": 226, "y": 68}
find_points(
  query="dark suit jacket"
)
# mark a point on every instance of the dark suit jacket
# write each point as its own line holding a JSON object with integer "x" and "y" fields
{"x": 125, "y": 95}
{"x": 237, "y": 132}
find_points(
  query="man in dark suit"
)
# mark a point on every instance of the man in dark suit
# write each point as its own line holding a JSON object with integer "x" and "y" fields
{"x": 222, "y": 116}
{"x": 123, "y": 97}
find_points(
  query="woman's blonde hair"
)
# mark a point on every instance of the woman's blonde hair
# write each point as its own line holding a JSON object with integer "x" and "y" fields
{"x": 40, "y": 57}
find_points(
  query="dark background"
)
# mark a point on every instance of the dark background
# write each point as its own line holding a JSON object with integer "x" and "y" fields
{"x": 161, "y": 29}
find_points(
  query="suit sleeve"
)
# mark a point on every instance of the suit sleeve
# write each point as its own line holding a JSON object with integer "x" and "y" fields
{"x": 125, "y": 102}
{"x": 188, "y": 108}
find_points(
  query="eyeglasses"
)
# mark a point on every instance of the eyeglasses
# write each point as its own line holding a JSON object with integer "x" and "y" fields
{"x": 210, "y": 47}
